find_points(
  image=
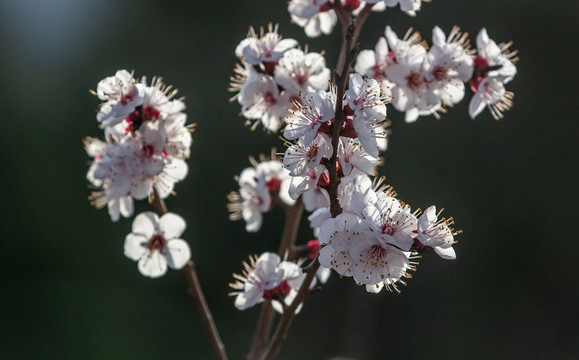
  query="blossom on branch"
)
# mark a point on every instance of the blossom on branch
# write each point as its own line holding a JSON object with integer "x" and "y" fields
{"x": 272, "y": 75}
{"x": 267, "y": 277}
{"x": 146, "y": 143}
{"x": 261, "y": 188}
{"x": 494, "y": 66}
{"x": 155, "y": 243}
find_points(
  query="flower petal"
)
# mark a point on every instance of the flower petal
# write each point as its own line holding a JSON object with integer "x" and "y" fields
{"x": 154, "y": 265}
{"x": 145, "y": 224}
{"x": 135, "y": 246}
{"x": 178, "y": 253}
{"x": 172, "y": 226}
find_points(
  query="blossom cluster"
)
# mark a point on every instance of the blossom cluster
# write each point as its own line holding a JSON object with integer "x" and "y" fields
{"x": 424, "y": 81}
{"x": 145, "y": 147}
{"x": 319, "y": 17}
{"x": 143, "y": 156}
{"x": 312, "y": 124}
{"x": 377, "y": 236}
{"x": 272, "y": 74}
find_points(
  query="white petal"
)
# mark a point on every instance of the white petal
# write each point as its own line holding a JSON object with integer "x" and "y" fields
{"x": 154, "y": 265}
{"x": 438, "y": 37}
{"x": 447, "y": 253}
{"x": 247, "y": 299}
{"x": 126, "y": 206}
{"x": 179, "y": 253}
{"x": 172, "y": 226}
{"x": 476, "y": 105}
{"x": 145, "y": 224}
{"x": 411, "y": 115}
{"x": 284, "y": 193}
{"x": 375, "y": 289}
{"x": 114, "y": 209}
{"x": 135, "y": 246}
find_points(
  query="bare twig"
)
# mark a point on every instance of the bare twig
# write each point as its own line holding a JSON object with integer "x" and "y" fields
{"x": 262, "y": 331}
{"x": 195, "y": 291}
{"x": 293, "y": 215}
{"x": 288, "y": 315}
{"x": 206, "y": 318}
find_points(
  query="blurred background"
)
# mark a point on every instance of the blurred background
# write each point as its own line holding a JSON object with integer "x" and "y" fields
{"x": 68, "y": 292}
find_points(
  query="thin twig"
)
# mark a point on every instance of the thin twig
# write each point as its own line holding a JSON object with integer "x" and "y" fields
{"x": 293, "y": 215}
{"x": 288, "y": 315}
{"x": 195, "y": 291}
{"x": 206, "y": 318}
{"x": 262, "y": 331}
{"x": 158, "y": 203}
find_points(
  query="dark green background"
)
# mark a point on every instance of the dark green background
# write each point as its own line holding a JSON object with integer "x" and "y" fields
{"x": 68, "y": 292}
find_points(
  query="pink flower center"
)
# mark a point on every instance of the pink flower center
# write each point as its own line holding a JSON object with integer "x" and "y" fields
{"x": 312, "y": 152}
{"x": 313, "y": 248}
{"x": 387, "y": 229}
{"x": 156, "y": 243}
{"x": 377, "y": 251}
{"x": 439, "y": 73}
{"x": 301, "y": 79}
{"x": 273, "y": 185}
{"x": 352, "y": 5}
{"x": 269, "y": 99}
{"x": 148, "y": 151}
{"x": 126, "y": 98}
{"x": 150, "y": 113}
{"x": 392, "y": 57}
{"x": 378, "y": 71}
{"x": 277, "y": 293}
{"x": 414, "y": 81}
{"x": 325, "y": 7}
{"x": 269, "y": 66}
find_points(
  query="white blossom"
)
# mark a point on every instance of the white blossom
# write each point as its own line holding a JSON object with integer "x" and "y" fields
{"x": 315, "y": 16}
{"x": 265, "y": 48}
{"x": 155, "y": 243}
{"x": 493, "y": 68}
{"x": 300, "y": 72}
{"x": 304, "y": 121}
{"x": 267, "y": 277}
{"x": 436, "y": 233}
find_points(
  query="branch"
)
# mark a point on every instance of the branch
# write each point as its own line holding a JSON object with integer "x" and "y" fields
{"x": 293, "y": 215}
{"x": 351, "y": 30}
{"x": 288, "y": 315}
{"x": 262, "y": 331}
{"x": 206, "y": 318}
{"x": 195, "y": 290}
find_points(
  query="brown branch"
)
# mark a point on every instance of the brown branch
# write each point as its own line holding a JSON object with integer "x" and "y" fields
{"x": 288, "y": 315}
{"x": 262, "y": 331}
{"x": 341, "y": 79}
{"x": 158, "y": 203}
{"x": 195, "y": 290}
{"x": 206, "y": 318}
{"x": 293, "y": 215}
{"x": 346, "y": 20}
{"x": 351, "y": 31}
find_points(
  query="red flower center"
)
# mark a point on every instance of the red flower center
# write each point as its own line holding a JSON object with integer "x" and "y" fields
{"x": 277, "y": 293}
